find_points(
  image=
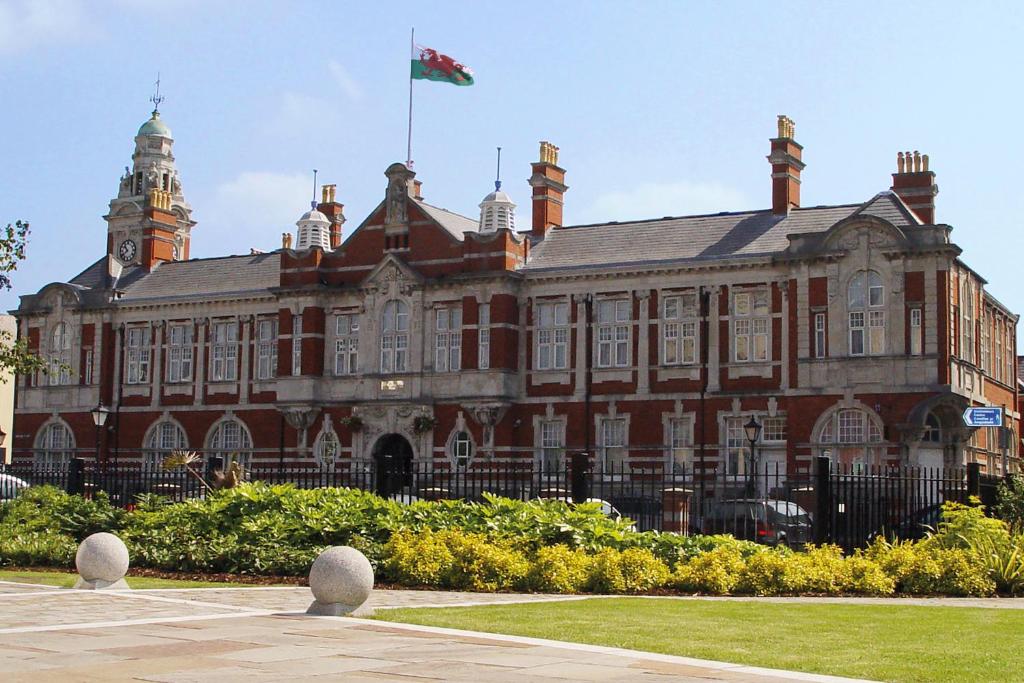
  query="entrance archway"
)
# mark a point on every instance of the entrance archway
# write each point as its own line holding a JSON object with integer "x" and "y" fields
{"x": 392, "y": 456}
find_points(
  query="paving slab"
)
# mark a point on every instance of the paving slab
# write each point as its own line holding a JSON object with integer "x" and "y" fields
{"x": 260, "y": 634}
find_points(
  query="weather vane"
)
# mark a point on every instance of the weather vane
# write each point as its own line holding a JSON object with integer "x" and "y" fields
{"x": 156, "y": 99}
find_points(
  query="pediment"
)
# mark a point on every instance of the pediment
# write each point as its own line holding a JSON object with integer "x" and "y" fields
{"x": 393, "y": 275}
{"x": 850, "y": 233}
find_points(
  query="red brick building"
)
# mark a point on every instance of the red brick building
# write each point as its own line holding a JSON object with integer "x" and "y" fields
{"x": 854, "y": 331}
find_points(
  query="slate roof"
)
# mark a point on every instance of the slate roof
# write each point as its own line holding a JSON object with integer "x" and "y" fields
{"x": 695, "y": 238}
{"x": 222, "y": 276}
{"x": 453, "y": 222}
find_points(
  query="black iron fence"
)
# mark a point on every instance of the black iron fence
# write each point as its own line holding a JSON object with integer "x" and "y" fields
{"x": 845, "y": 505}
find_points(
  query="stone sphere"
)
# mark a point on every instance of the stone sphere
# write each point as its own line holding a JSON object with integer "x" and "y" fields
{"x": 341, "y": 575}
{"x": 102, "y": 557}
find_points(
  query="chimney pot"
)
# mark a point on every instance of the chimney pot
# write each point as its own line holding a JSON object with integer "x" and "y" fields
{"x": 914, "y": 182}
{"x": 786, "y": 162}
{"x": 548, "y": 183}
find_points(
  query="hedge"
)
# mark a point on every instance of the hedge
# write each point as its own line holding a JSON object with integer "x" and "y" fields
{"x": 500, "y": 545}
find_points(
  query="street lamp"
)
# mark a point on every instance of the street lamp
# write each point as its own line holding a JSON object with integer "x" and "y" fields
{"x": 99, "y": 418}
{"x": 753, "y": 431}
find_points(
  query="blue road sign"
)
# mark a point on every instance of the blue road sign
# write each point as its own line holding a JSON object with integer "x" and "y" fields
{"x": 984, "y": 417}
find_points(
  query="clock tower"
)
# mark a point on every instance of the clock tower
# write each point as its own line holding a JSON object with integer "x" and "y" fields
{"x": 149, "y": 221}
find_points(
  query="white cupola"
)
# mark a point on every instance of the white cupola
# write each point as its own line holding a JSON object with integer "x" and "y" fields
{"x": 314, "y": 230}
{"x": 497, "y": 210}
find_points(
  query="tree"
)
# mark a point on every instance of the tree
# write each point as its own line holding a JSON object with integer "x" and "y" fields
{"x": 14, "y": 353}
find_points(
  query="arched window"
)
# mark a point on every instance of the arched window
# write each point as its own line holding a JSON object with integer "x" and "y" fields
{"x": 866, "y": 309}
{"x": 55, "y": 445}
{"x": 460, "y": 448}
{"x": 394, "y": 337}
{"x": 852, "y": 437}
{"x": 967, "y": 322}
{"x": 231, "y": 441}
{"x": 327, "y": 447}
{"x": 60, "y": 354}
{"x": 163, "y": 437}
{"x": 932, "y": 429}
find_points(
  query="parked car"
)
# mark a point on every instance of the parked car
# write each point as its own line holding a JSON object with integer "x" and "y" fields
{"x": 607, "y": 509}
{"x": 768, "y": 521}
{"x": 916, "y": 525}
{"x": 10, "y": 486}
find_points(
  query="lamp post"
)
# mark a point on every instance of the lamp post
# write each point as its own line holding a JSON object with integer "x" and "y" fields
{"x": 99, "y": 418}
{"x": 753, "y": 431}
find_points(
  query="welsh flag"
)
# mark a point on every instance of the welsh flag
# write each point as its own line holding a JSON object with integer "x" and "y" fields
{"x": 434, "y": 66}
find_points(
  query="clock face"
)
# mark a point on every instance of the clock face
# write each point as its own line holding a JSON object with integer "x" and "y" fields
{"x": 126, "y": 250}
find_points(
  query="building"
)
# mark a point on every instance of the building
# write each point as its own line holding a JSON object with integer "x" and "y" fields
{"x": 8, "y": 328}
{"x": 853, "y": 331}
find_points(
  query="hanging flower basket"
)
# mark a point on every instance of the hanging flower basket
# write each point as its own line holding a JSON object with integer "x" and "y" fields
{"x": 423, "y": 424}
{"x": 353, "y": 422}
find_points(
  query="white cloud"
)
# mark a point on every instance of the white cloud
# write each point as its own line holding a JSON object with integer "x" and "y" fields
{"x": 259, "y": 204}
{"x": 654, "y": 200}
{"x": 25, "y": 24}
{"x": 345, "y": 81}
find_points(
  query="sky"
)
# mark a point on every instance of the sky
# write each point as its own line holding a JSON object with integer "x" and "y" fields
{"x": 659, "y": 108}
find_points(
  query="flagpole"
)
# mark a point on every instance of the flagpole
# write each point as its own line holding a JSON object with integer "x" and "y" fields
{"x": 412, "y": 49}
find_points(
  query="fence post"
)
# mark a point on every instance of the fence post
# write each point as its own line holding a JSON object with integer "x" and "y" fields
{"x": 973, "y": 480}
{"x": 76, "y": 476}
{"x": 579, "y": 465}
{"x": 823, "y": 499}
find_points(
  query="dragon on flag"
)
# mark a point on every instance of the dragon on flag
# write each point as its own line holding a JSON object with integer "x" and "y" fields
{"x": 434, "y": 66}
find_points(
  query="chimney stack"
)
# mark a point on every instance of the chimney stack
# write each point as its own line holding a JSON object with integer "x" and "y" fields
{"x": 786, "y": 167}
{"x": 915, "y": 185}
{"x": 334, "y": 212}
{"x": 548, "y": 182}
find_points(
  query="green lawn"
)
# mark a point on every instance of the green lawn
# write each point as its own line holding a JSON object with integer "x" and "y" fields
{"x": 67, "y": 579}
{"x": 880, "y": 642}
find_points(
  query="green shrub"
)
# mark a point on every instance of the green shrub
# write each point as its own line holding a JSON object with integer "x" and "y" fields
{"x": 715, "y": 572}
{"x": 46, "y": 508}
{"x": 1003, "y": 562}
{"x": 1010, "y": 502}
{"x": 422, "y": 559}
{"x": 896, "y": 558}
{"x": 948, "y": 571}
{"x": 765, "y": 574}
{"x": 866, "y": 577}
{"x": 483, "y": 565}
{"x": 642, "y": 571}
{"x": 819, "y": 569}
{"x": 37, "y": 549}
{"x": 965, "y": 525}
{"x": 557, "y": 569}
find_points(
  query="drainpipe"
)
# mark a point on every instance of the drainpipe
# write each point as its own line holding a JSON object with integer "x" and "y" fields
{"x": 588, "y": 302}
{"x": 704, "y": 297}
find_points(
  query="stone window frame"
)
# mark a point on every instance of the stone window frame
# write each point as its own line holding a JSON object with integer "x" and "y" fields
{"x": 347, "y": 327}
{"x": 327, "y": 438}
{"x": 617, "y": 332}
{"x": 872, "y": 315}
{"x": 138, "y": 340}
{"x": 753, "y": 320}
{"x": 392, "y": 341}
{"x": 42, "y": 444}
{"x": 685, "y": 316}
{"x": 448, "y": 325}
{"x": 153, "y": 454}
{"x": 554, "y": 331}
{"x": 244, "y": 451}
{"x": 228, "y": 346}
{"x": 181, "y": 353}
{"x": 542, "y": 458}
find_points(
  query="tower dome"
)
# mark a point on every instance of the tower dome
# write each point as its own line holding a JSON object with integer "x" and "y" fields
{"x": 155, "y": 126}
{"x": 497, "y": 211}
{"x": 314, "y": 230}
